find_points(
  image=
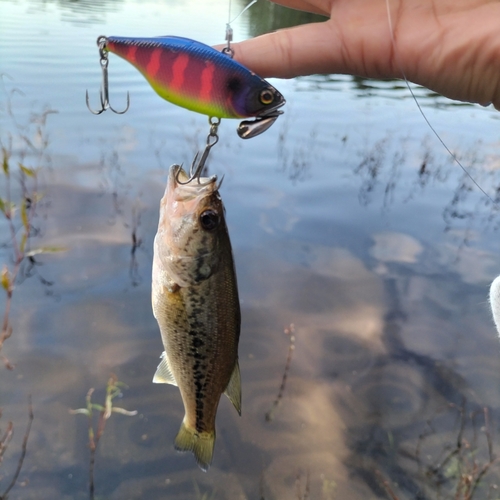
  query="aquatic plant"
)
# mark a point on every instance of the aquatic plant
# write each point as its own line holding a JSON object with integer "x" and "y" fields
{"x": 31, "y": 142}
{"x": 115, "y": 183}
{"x": 290, "y": 332}
{"x": 298, "y": 486}
{"x": 462, "y": 469}
{"x": 303, "y": 491}
{"x": 5, "y": 439}
{"x": 4, "y": 443}
{"x": 113, "y": 390}
{"x": 458, "y": 469}
{"x": 16, "y": 215}
{"x": 204, "y": 496}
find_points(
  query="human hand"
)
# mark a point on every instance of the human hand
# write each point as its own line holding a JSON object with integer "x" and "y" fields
{"x": 449, "y": 46}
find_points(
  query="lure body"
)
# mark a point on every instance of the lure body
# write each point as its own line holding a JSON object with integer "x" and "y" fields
{"x": 195, "y": 76}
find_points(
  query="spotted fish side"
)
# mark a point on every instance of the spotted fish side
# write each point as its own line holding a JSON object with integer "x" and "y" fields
{"x": 200, "y": 326}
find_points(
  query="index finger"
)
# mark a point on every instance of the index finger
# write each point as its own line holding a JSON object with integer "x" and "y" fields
{"x": 302, "y": 50}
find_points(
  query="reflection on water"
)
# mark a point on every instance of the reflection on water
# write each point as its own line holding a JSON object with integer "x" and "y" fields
{"x": 268, "y": 17}
{"x": 85, "y": 11}
{"x": 470, "y": 202}
{"x": 347, "y": 219}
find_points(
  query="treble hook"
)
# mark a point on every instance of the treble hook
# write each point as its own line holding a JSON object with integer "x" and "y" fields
{"x": 198, "y": 164}
{"x": 104, "y": 92}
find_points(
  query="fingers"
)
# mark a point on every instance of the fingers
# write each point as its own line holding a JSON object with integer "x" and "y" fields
{"x": 303, "y": 50}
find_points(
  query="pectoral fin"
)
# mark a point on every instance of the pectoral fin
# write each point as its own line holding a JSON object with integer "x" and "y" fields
{"x": 163, "y": 373}
{"x": 233, "y": 389}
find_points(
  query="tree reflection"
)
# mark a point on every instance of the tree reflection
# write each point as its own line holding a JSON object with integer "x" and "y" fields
{"x": 264, "y": 17}
{"x": 88, "y": 9}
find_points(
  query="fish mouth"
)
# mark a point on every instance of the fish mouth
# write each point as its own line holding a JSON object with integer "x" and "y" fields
{"x": 181, "y": 187}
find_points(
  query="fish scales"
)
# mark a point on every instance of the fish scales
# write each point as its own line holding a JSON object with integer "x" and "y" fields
{"x": 201, "y": 357}
{"x": 196, "y": 76}
{"x": 195, "y": 301}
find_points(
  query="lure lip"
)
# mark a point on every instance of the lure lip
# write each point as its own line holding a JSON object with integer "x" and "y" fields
{"x": 252, "y": 128}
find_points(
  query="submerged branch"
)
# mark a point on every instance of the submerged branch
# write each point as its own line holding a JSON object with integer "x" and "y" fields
{"x": 289, "y": 331}
{"x": 4, "y": 442}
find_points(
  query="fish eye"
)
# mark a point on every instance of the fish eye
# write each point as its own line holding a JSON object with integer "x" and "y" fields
{"x": 209, "y": 220}
{"x": 266, "y": 96}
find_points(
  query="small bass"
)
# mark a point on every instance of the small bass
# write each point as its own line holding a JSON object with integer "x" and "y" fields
{"x": 195, "y": 301}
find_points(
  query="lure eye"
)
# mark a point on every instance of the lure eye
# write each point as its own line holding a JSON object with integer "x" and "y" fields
{"x": 209, "y": 220}
{"x": 266, "y": 96}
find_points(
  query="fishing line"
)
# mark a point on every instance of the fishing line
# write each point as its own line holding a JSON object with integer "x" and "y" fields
{"x": 400, "y": 67}
{"x": 229, "y": 31}
{"x": 243, "y": 11}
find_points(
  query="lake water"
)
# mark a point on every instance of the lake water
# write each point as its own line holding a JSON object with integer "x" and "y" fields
{"x": 348, "y": 219}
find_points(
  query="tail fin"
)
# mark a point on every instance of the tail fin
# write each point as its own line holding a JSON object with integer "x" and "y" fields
{"x": 200, "y": 443}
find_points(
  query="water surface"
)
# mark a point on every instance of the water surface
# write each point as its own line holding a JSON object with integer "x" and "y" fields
{"x": 348, "y": 219}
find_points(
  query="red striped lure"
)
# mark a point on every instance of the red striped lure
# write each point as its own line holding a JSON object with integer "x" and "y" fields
{"x": 195, "y": 76}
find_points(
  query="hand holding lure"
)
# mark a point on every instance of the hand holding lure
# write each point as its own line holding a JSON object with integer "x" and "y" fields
{"x": 197, "y": 77}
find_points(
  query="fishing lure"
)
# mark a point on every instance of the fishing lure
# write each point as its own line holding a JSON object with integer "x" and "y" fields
{"x": 195, "y": 76}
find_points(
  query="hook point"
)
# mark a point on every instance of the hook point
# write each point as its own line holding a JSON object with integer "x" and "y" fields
{"x": 125, "y": 110}
{"x": 88, "y": 104}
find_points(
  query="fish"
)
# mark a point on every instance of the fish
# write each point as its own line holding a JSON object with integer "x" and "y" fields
{"x": 195, "y": 302}
{"x": 195, "y": 76}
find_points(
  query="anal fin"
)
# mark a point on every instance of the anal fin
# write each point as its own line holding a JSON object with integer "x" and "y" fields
{"x": 164, "y": 373}
{"x": 233, "y": 389}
